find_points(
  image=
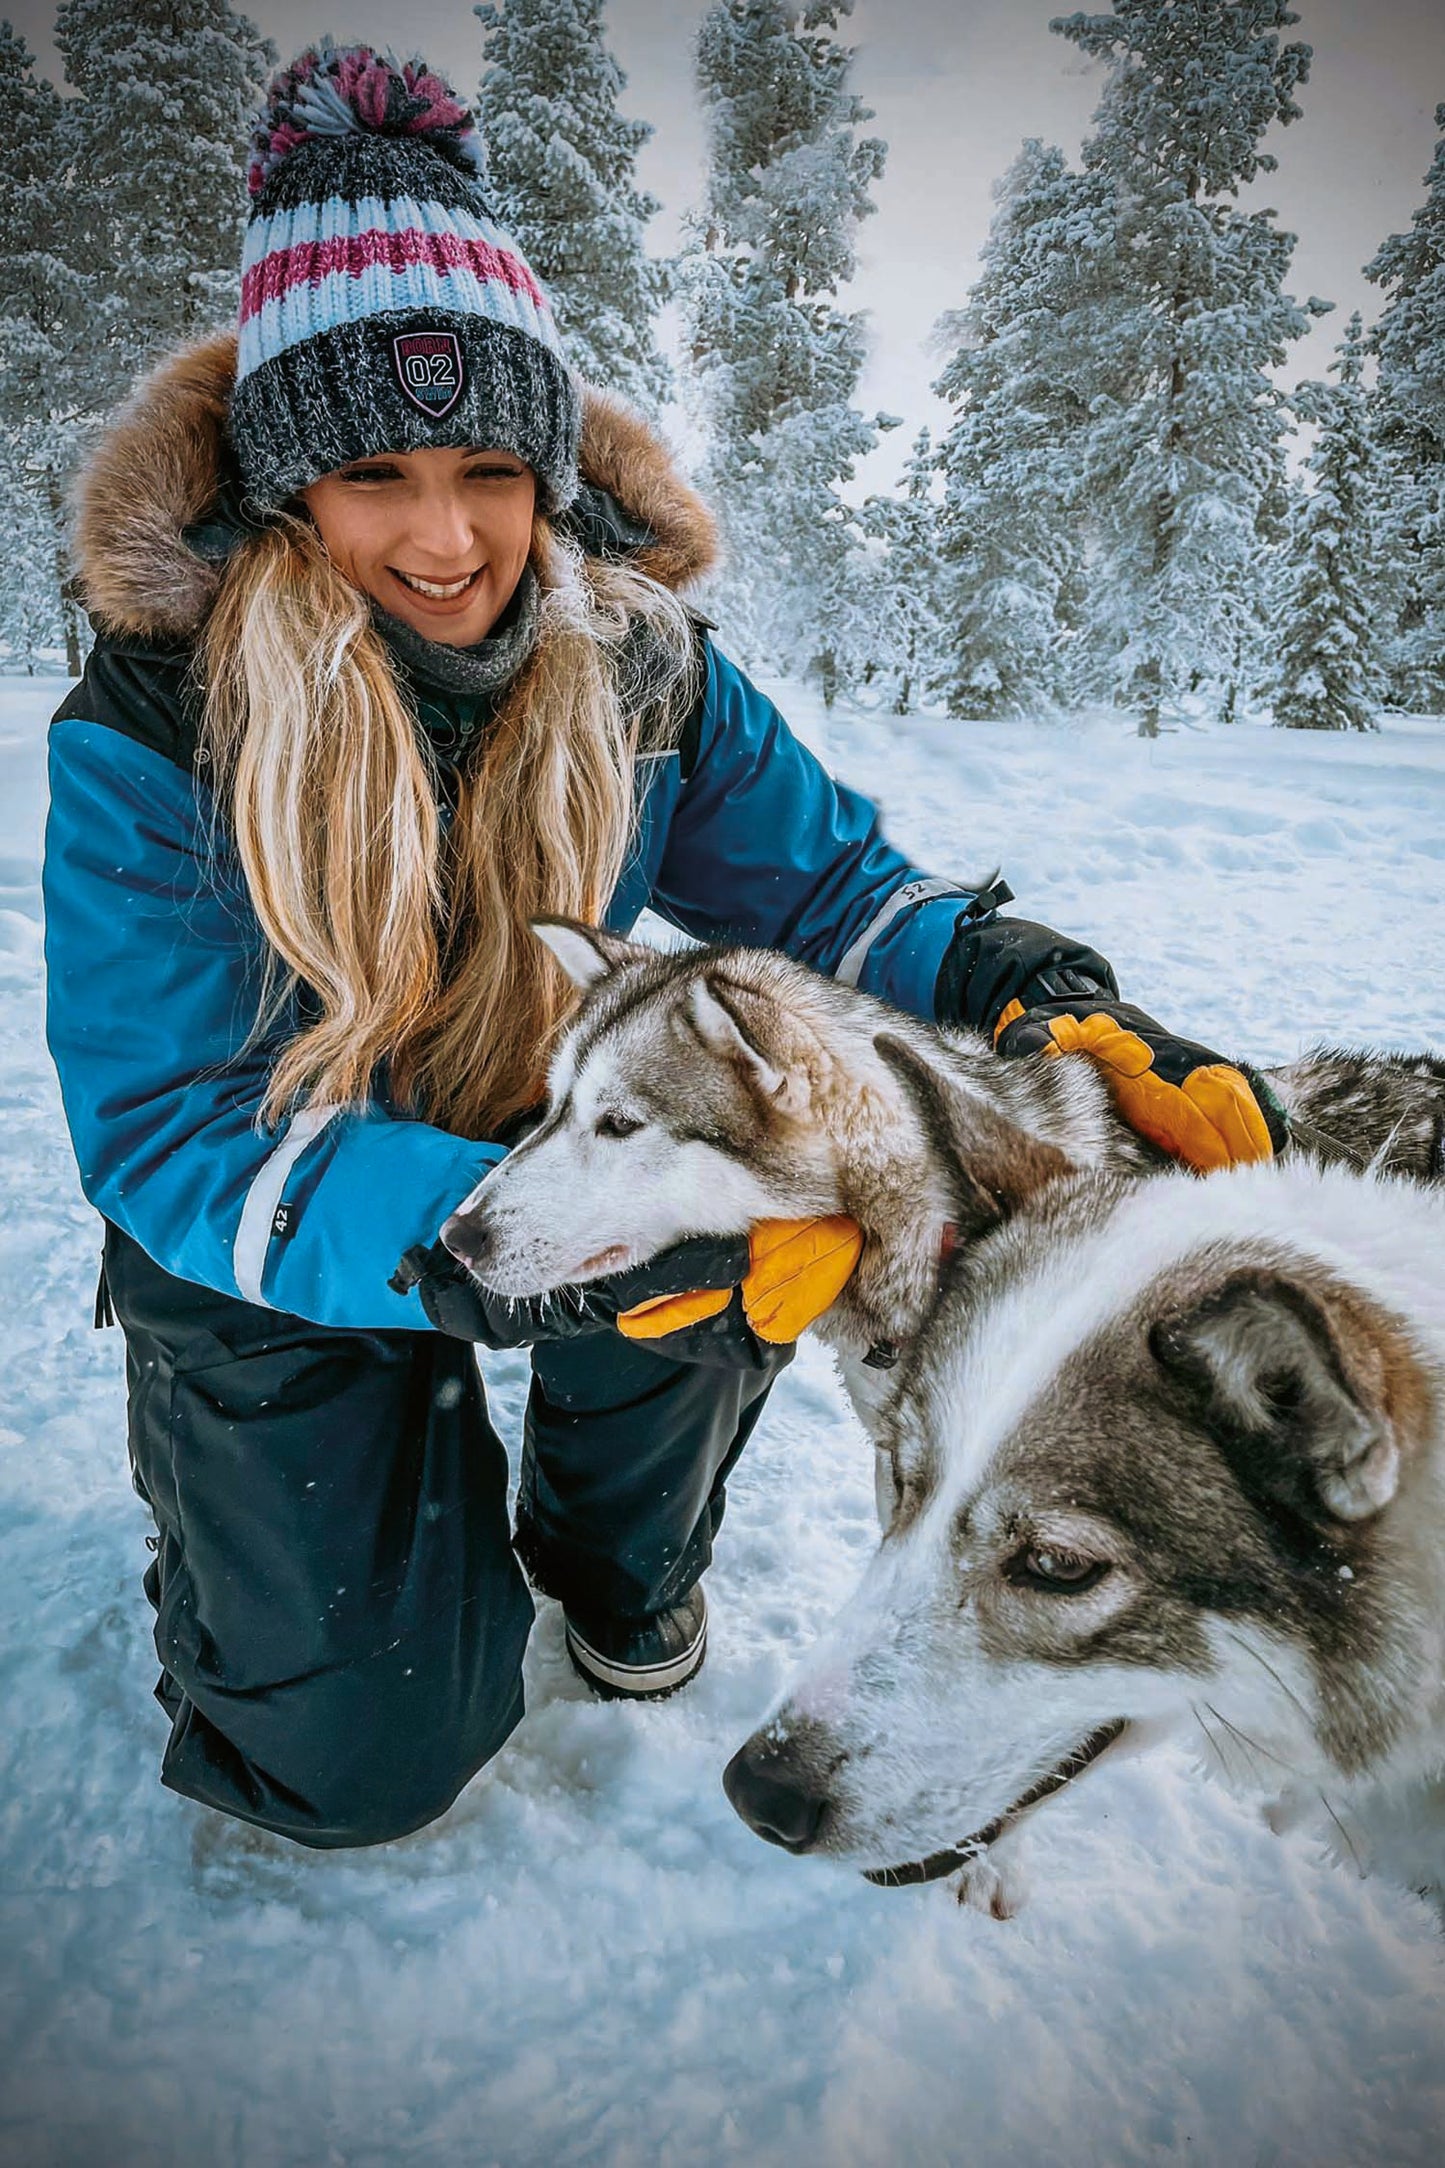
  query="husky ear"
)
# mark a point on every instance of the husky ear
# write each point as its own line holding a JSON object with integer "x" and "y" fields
{"x": 991, "y": 1165}
{"x": 586, "y": 953}
{"x": 1313, "y": 1394}
{"x": 717, "y": 1025}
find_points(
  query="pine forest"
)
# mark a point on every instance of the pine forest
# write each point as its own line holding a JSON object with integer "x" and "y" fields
{"x": 1127, "y": 505}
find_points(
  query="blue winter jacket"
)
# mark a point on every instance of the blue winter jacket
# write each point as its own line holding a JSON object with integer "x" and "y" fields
{"x": 155, "y": 966}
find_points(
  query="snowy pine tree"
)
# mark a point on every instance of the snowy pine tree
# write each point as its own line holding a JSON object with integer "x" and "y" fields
{"x": 31, "y": 602}
{"x": 1409, "y": 340}
{"x": 1185, "y": 443}
{"x": 897, "y": 634}
{"x": 561, "y": 162}
{"x": 166, "y": 91}
{"x": 1011, "y": 460}
{"x": 1328, "y": 675}
{"x": 776, "y": 364}
{"x": 52, "y": 324}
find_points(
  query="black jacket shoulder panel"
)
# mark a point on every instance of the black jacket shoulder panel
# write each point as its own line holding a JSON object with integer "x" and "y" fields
{"x": 147, "y": 692}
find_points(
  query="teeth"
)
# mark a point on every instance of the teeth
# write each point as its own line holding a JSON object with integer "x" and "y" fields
{"x": 431, "y": 588}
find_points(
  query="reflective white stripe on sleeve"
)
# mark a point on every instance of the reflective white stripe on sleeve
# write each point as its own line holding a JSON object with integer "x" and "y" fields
{"x": 902, "y": 899}
{"x": 253, "y": 1233}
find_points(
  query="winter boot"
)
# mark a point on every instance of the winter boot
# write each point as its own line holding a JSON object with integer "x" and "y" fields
{"x": 641, "y": 1659}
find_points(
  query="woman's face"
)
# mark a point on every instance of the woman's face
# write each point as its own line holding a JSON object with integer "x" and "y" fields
{"x": 439, "y": 538}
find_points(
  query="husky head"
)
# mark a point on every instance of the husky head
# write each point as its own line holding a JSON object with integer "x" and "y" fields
{"x": 698, "y": 1092}
{"x": 1153, "y": 1465}
{"x": 679, "y": 1103}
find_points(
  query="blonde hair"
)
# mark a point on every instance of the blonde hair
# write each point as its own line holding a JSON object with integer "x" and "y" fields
{"x": 413, "y": 941}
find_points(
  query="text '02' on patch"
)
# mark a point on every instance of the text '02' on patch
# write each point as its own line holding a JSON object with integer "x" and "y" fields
{"x": 429, "y": 368}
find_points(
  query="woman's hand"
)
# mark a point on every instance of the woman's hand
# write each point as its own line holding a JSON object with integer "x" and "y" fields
{"x": 796, "y": 1271}
{"x": 1032, "y": 990}
{"x": 724, "y": 1302}
{"x": 458, "y": 1304}
{"x": 1194, "y": 1104}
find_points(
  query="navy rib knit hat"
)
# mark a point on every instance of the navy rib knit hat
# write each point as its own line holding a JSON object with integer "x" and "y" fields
{"x": 382, "y": 307}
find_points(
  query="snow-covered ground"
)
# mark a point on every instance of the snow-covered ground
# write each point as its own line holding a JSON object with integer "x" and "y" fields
{"x": 591, "y": 1960}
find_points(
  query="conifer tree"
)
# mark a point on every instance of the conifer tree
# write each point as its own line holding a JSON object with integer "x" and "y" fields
{"x": 562, "y": 170}
{"x": 895, "y": 619}
{"x": 52, "y": 325}
{"x": 166, "y": 90}
{"x": 1186, "y": 440}
{"x": 776, "y": 363}
{"x": 1011, "y": 460}
{"x": 30, "y": 597}
{"x": 1328, "y": 671}
{"x": 1409, "y": 426}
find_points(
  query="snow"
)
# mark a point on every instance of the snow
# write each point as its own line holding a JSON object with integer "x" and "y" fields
{"x": 591, "y": 1960}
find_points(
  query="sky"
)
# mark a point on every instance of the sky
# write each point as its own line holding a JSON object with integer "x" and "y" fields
{"x": 956, "y": 85}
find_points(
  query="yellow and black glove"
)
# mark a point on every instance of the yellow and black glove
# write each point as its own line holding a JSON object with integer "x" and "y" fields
{"x": 1200, "y": 1108}
{"x": 1032, "y": 990}
{"x": 796, "y": 1270}
{"x": 726, "y": 1302}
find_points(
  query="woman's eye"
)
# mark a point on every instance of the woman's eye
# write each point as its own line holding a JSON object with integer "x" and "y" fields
{"x": 369, "y": 474}
{"x": 1057, "y": 1572}
{"x": 617, "y": 1125}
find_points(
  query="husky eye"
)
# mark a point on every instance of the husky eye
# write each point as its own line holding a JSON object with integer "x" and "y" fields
{"x": 616, "y": 1125}
{"x": 1056, "y": 1572}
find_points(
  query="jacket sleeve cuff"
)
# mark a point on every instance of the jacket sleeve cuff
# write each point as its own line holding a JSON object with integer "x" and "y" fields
{"x": 323, "y": 1240}
{"x": 903, "y": 962}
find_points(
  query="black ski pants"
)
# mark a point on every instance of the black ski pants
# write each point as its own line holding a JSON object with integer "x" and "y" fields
{"x": 340, "y": 1612}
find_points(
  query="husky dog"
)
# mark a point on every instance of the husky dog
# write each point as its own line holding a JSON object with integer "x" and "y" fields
{"x": 1169, "y": 1460}
{"x": 701, "y": 1091}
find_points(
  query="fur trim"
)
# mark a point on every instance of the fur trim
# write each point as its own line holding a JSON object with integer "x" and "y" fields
{"x": 159, "y": 466}
{"x": 155, "y": 472}
{"x": 621, "y": 453}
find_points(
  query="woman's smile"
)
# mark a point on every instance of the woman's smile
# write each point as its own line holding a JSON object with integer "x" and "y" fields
{"x": 446, "y": 594}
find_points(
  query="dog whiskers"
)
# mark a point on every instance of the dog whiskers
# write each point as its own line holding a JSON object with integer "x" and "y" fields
{"x": 1348, "y": 1841}
{"x": 1216, "y": 1746}
{"x": 1252, "y": 1746}
{"x": 1287, "y": 1690}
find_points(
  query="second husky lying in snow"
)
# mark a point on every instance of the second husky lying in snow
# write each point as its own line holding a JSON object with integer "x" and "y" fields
{"x": 1170, "y": 1462}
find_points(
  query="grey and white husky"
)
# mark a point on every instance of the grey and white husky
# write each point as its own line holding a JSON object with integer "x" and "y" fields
{"x": 698, "y": 1092}
{"x": 1169, "y": 1463}
{"x": 1156, "y": 1458}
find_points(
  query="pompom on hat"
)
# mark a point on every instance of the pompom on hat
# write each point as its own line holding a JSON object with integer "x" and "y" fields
{"x": 382, "y": 307}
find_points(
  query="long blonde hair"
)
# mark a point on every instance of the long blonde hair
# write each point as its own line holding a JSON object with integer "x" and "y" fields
{"x": 412, "y": 941}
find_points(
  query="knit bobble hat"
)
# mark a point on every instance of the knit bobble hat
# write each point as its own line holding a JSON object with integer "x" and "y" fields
{"x": 382, "y": 307}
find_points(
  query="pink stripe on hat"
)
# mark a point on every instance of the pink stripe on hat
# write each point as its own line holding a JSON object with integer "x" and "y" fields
{"x": 309, "y": 262}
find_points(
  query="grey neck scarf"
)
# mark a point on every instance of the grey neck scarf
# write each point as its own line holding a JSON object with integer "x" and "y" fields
{"x": 489, "y": 667}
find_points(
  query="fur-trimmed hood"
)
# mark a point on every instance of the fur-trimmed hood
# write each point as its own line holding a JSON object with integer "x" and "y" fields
{"x": 161, "y": 466}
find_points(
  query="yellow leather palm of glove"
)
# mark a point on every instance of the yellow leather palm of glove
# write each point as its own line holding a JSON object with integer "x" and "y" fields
{"x": 1182, "y": 1097}
{"x": 796, "y": 1270}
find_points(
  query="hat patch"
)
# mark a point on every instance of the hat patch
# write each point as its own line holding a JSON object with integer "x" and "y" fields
{"x": 429, "y": 370}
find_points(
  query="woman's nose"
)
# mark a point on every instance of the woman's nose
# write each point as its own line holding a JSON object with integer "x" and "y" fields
{"x": 443, "y": 533}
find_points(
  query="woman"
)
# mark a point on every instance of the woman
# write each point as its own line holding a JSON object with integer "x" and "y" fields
{"x": 378, "y": 678}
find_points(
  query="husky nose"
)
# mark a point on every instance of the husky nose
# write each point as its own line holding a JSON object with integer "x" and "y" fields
{"x": 468, "y": 1238}
{"x": 778, "y": 1784}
